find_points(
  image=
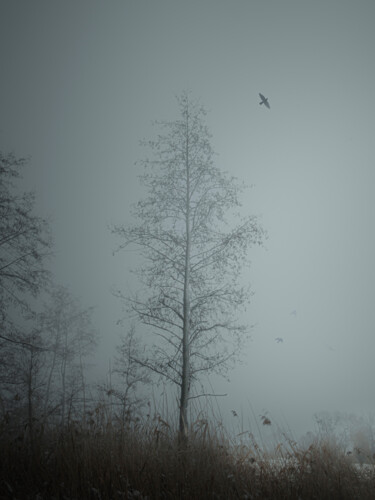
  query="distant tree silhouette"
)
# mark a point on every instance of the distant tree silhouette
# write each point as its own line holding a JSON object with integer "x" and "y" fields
{"x": 130, "y": 376}
{"x": 70, "y": 338}
{"x": 24, "y": 243}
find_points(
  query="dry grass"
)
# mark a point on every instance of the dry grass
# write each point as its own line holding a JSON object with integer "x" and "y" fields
{"x": 145, "y": 461}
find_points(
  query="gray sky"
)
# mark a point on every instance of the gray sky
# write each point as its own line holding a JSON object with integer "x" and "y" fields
{"x": 81, "y": 82}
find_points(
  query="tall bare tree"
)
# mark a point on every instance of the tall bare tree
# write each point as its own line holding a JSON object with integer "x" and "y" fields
{"x": 192, "y": 256}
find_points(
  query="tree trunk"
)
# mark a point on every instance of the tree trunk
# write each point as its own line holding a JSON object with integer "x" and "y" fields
{"x": 185, "y": 380}
{"x": 51, "y": 372}
{"x": 63, "y": 380}
{"x": 185, "y": 360}
{"x": 30, "y": 407}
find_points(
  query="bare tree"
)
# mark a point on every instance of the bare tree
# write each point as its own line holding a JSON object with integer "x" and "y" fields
{"x": 130, "y": 374}
{"x": 42, "y": 373}
{"x": 22, "y": 379}
{"x": 31, "y": 368}
{"x": 71, "y": 338}
{"x": 193, "y": 257}
{"x": 24, "y": 243}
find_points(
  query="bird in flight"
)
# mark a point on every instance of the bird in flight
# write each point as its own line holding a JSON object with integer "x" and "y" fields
{"x": 279, "y": 339}
{"x": 264, "y": 100}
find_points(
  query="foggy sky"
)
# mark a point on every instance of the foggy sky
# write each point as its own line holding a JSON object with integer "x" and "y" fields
{"x": 81, "y": 82}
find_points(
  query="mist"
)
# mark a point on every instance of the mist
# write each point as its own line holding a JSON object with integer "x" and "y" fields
{"x": 81, "y": 85}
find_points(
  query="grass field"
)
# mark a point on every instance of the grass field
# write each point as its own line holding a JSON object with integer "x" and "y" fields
{"x": 145, "y": 460}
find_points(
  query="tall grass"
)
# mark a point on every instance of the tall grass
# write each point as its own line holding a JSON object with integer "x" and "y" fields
{"x": 110, "y": 460}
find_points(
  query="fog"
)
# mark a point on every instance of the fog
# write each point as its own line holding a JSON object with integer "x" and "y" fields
{"x": 81, "y": 84}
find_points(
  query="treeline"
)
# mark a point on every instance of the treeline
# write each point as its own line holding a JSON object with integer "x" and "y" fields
{"x": 47, "y": 336}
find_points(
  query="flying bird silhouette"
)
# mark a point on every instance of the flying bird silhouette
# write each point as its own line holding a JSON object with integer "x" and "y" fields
{"x": 264, "y": 100}
{"x": 279, "y": 339}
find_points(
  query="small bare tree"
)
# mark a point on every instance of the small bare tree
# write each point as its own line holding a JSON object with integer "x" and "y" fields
{"x": 71, "y": 337}
{"x": 130, "y": 375}
{"x": 193, "y": 257}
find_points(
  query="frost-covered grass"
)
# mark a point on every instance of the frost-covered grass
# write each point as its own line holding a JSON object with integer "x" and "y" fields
{"x": 145, "y": 460}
